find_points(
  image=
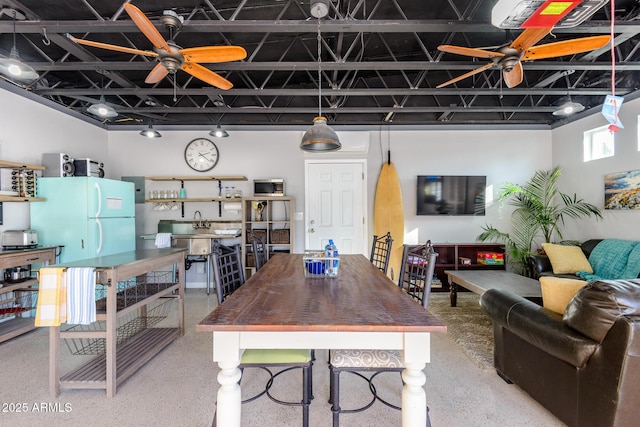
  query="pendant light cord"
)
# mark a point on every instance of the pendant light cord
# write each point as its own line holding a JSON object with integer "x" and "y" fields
{"x": 319, "y": 71}
{"x": 14, "y": 28}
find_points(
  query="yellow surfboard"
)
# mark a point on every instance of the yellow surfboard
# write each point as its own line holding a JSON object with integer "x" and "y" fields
{"x": 388, "y": 215}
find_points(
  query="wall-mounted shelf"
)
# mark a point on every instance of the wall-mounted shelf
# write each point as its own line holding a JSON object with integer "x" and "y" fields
{"x": 17, "y": 165}
{"x": 6, "y": 164}
{"x": 182, "y": 180}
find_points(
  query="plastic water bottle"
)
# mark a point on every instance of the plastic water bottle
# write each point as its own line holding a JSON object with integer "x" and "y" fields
{"x": 331, "y": 251}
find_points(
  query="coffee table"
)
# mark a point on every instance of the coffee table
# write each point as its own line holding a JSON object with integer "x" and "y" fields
{"x": 478, "y": 281}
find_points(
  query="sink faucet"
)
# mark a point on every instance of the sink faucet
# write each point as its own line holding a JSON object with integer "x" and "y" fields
{"x": 198, "y": 224}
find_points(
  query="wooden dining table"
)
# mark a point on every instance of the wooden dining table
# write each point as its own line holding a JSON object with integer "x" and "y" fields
{"x": 359, "y": 309}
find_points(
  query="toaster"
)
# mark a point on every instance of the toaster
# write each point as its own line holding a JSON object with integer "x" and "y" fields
{"x": 19, "y": 238}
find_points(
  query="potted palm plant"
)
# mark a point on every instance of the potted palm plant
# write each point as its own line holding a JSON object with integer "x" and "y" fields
{"x": 540, "y": 211}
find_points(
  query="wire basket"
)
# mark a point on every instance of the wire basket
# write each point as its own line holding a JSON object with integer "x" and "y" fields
{"x": 128, "y": 327}
{"x": 18, "y": 303}
{"x": 136, "y": 289}
{"x": 316, "y": 265}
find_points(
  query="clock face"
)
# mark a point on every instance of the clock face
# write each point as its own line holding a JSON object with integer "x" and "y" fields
{"x": 201, "y": 154}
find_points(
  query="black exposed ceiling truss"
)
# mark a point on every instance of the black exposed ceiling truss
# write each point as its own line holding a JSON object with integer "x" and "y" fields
{"x": 379, "y": 63}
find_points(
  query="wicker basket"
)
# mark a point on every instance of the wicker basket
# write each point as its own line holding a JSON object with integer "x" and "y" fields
{"x": 258, "y": 233}
{"x": 280, "y": 236}
{"x": 251, "y": 260}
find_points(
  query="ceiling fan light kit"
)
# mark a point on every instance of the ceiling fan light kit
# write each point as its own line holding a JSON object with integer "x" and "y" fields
{"x": 218, "y": 132}
{"x": 172, "y": 57}
{"x": 150, "y": 132}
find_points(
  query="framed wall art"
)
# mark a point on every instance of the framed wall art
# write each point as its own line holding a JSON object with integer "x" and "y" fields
{"x": 622, "y": 190}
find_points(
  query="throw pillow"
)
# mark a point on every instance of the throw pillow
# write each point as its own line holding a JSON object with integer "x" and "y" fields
{"x": 566, "y": 259}
{"x": 557, "y": 292}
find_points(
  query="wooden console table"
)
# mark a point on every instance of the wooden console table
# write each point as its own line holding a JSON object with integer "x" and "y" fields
{"x": 119, "y": 360}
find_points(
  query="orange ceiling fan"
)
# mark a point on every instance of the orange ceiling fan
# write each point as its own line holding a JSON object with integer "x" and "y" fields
{"x": 509, "y": 57}
{"x": 171, "y": 56}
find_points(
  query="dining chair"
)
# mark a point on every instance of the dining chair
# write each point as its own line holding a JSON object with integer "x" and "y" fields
{"x": 415, "y": 278}
{"x": 259, "y": 247}
{"x": 228, "y": 273}
{"x": 381, "y": 251}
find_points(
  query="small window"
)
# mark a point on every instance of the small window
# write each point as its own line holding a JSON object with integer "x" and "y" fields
{"x": 598, "y": 144}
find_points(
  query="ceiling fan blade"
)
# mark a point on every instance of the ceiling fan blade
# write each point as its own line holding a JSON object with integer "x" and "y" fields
{"x": 467, "y": 51}
{"x": 208, "y": 54}
{"x": 158, "y": 73}
{"x": 464, "y": 76}
{"x": 514, "y": 77}
{"x": 114, "y": 47}
{"x": 147, "y": 27}
{"x": 567, "y": 47}
{"x": 528, "y": 38}
{"x": 206, "y": 75}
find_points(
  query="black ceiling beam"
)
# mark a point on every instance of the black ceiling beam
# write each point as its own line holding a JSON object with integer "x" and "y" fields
{"x": 213, "y": 92}
{"x": 338, "y": 66}
{"x": 296, "y": 26}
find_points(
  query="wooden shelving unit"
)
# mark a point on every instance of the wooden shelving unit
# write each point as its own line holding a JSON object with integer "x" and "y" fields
{"x": 23, "y": 293}
{"x": 276, "y": 225}
{"x": 132, "y": 286}
{"x": 449, "y": 255}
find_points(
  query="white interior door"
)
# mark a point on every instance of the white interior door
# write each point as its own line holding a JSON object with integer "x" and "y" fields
{"x": 335, "y": 205}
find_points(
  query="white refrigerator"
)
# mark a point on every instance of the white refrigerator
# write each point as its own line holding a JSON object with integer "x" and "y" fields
{"x": 89, "y": 216}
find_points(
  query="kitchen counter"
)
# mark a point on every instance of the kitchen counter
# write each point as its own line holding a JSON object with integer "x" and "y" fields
{"x": 7, "y": 251}
{"x": 194, "y": 236}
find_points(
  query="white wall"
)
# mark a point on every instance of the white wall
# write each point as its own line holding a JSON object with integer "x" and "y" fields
{"x": 587, "y": 178}
{"x": 503, "y": 156}
{"x": 28, "y": 129}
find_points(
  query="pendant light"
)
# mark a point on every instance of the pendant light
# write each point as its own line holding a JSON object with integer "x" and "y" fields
{"x": 12, "y": 67}
{"x": 568, "y": 108}
{"x": 218, "y": 132}
{"x": 150, "y": 132}
{"x": 101, "y": 109}
{"x": 320, "y": 138}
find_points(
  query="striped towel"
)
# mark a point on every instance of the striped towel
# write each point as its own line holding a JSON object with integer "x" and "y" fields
{"x": 81, "y": 295}
{"x": 163, "y": 240}
{"x": 52, "y": 298}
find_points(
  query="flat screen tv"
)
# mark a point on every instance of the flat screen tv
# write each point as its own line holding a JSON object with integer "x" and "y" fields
{"x": 450, "y": 195}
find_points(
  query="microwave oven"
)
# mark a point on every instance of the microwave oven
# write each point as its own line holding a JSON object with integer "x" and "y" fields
{"x": 268, "y": 187}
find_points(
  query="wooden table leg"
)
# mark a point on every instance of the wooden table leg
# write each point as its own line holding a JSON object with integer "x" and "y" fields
{"x": 453, "y": 293}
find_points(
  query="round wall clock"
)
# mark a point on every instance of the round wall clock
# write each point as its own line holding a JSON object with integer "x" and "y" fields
{"x": 201, "y": 154}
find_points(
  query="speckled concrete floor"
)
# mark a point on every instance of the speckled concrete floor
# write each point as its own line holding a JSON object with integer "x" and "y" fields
{"x": 178, "y": 386}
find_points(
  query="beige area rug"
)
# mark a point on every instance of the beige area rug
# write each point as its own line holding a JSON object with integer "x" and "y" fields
{"x": 467, "y": 325}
